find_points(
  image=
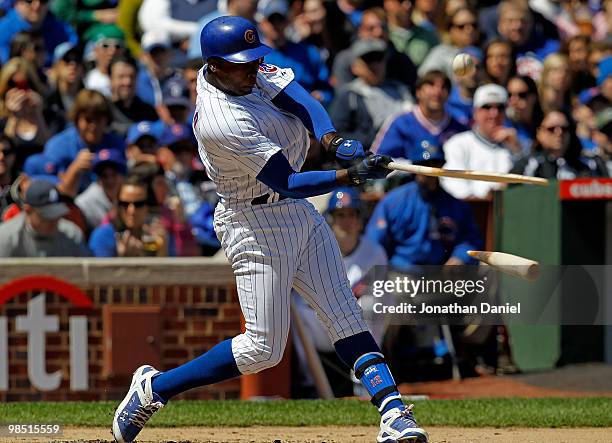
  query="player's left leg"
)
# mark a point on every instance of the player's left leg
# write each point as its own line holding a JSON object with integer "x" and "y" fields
{"x": 321, "y": 279}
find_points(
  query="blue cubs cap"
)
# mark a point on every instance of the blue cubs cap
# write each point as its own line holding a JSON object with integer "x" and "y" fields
{"x": 43, "y": 196}
{"x": 426, "y": 152}
{"x": 109, "y": 157}
{"x": 344, "y": 198}
{"x": 175, "y": 92}
{"x": 141, "y": 129}
{"x": 233, "y": 39}
{"x": 176, "y": 133}
{"x": 39, "y": 165}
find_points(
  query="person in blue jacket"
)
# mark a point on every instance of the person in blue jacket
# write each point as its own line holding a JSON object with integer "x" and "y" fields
{"x": 91, "y": 116}
{"x": 428, "y": 125}
{"x": 34, "y": 16}
{"x": 419, "y": 223}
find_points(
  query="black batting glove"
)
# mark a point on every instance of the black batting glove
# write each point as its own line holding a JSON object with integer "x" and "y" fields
{"x": 372, "y": 167}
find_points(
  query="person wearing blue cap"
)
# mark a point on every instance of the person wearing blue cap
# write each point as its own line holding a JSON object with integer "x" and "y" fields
{"x": 39, "y": 230}
{"x": 178, "y": 156}
{"x": 176, "y": 106}
{"x": 98, "y": 199}
{"x": 141, "y": 142}
{"x": 419, "y": 223}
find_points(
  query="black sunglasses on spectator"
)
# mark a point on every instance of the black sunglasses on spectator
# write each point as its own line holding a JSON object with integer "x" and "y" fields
{"x": 523, "y": 95}
{"x": 462, "y": 26}
{"x": 499, "y": 107}
{"x": 137, "y": 204}
{"x": 42, "y": 2}
{"x": 552, "y": 129}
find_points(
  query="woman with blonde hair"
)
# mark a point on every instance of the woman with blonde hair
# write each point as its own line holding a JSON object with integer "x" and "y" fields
{"x": 555, "y": 82}
{"x": 21, "y": 108}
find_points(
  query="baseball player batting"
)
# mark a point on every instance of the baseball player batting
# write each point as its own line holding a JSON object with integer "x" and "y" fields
{"x": 252, "y": 122}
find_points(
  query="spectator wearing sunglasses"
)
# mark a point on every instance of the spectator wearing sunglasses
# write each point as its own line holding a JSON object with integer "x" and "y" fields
{"x": 67, "y": 80}
{"x": 130, "y": 232}
{"x": 461, "y": 32}
{"x": 488, "y": 146}
{"x": 34, "y": 15}
{"x": 107, "y": 45}
{"x": 524, "y": 111}
{"x": 556, "y": 151}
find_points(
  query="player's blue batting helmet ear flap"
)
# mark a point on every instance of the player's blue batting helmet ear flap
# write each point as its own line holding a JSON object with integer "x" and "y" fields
{"x": 231, "y": 38}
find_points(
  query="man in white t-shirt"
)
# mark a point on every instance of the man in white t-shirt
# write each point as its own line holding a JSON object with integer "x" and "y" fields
{"x": 488, "y": 146}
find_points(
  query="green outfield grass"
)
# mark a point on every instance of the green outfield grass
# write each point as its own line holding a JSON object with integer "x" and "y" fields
{"x": 547, "y": 412}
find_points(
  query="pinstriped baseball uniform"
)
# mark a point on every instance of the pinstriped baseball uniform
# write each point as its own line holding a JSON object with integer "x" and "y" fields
{"x": 278, "y": 245}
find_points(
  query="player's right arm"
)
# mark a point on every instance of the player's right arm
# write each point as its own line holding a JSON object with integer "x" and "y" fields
{"x": 280, "y": 176}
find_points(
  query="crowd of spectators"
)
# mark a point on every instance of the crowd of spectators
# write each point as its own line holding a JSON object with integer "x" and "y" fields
{"x": 97, "y": 98}
{"x": 98, "y": 158}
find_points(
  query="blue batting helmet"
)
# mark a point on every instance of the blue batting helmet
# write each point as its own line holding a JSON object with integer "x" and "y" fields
{"x": 233, "y": 39}
{"x": 344, "y": 198}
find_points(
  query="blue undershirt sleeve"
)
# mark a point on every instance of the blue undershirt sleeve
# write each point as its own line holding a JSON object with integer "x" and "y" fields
{"x": 296, "y": 100}
{"x": 280, "y": 176}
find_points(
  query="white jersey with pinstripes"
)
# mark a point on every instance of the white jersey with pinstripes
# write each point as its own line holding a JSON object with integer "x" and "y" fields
{"x": 237, "y": 135}
{"x": 276, "y": 245}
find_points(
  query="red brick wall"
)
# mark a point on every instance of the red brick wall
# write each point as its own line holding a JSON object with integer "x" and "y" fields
{"x": 194, "y": 318}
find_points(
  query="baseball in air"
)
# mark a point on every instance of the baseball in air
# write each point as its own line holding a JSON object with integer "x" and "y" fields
{"x": 463, "y": 64}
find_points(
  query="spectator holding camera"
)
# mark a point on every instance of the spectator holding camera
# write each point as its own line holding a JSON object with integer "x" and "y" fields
{"x": 100, "y": 197}
{"x": 130, "y": 232}
{"x": 22, "y": 109}
{"x": 91, "y": 117}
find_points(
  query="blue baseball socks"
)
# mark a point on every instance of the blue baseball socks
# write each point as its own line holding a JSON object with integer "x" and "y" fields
{"x": 361, "y": 353}
{"x": 216, "y": 365}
